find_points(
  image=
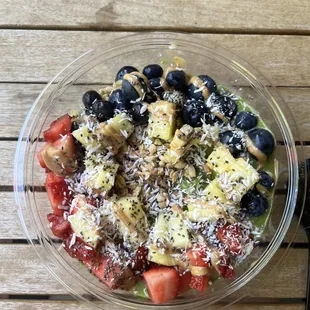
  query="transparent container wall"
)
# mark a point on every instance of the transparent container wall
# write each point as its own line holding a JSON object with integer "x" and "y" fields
{"x": 97, "y": 69}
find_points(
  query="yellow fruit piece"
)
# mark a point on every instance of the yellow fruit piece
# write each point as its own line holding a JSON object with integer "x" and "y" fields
{"x": 170, "y": 231}
{"x": 162, "y": 120}
{"x": 204, "y": 211}
{"x": 178, "y": 144}
{"x": 102, "y": 177}
{"x": 115, "y": 131}
{"x": 159, "y": 256}
{"x": 83, "y": 223}
{"x": 86, "y": 137}
{"x": 235, "y": 177}
{"x": 132, "y": 219}
{"x": 214, "y": 192}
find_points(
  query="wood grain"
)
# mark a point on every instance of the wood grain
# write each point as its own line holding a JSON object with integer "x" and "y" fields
{"x": 71, "y": 305}
{"x": 26, "y": 268}
{"x": 34, "y": 56}
{"x": 246, "y": 16}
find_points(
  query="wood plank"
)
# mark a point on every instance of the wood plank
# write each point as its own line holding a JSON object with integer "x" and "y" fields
{"x": 72, "y": 305}
{"x": 246, "y": 16}
{"x": 16, "y": 100}
{"x": 20, "y": 265}
{"x": 36, "y": 56}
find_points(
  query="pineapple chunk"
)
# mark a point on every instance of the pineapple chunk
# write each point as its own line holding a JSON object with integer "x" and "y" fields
{"x": 214, "y": 192}
{"x": 204, "y": 211}
{"x": 83, "y": 223}
{"x": 132, "y": 219}
{"x": 235, "y": 176}
{"x": 102, "y": 177}
{"x": 115, "y": 131}
{"x": 162, "y": 120}
{"x": 161, "y": 257}
{"x": 220, "y": 160}
{"x": 86, "y": 137}
{"x": 160, "y": 230}
{"x": 178, "y": 144}
{"x": 178, "y": 232}
{"x": 169, "y": 230}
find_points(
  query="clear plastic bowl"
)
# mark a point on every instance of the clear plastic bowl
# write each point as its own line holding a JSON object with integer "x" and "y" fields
{"x": 98, "y": 67}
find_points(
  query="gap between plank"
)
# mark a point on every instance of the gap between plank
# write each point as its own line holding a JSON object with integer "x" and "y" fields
{"x": 192, "y": 30}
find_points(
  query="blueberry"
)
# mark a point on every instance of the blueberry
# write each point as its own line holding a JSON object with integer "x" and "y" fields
{"x": 103, "y": 110}
{"x": 176, "y": 79}
{"x": 158, "y": 85}
{"x": 233, "y": 140}
{"x": 118, "y": 100}
{"x": 266, "y": 179}
{"x": 124, "y": 70}
{"x": 74, "y": 126}
{"x": 134, "y": 86}
{"x": 246, "y": 120}
{"x": 138, "y": 117}
{"x": 254, "y": 203}
{"x": 153, "y": 71}
{"x": 200, "y": 87}
{"x": 262, "y": 140}
{"x": 225, "y": 106}
{"x": 209, "y": 82}
{"x": 193, "y": 111}
{"x": 89, "y": 98}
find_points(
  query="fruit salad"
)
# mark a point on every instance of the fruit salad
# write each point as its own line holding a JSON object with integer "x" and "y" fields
{"x": 161, "y": 183}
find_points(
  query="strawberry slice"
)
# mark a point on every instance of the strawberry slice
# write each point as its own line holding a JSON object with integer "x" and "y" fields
{"x": 230, "y": 236}
{"x": 198, "y": 256}
{"x": 220, "y": 262}
{"x": 162, "y": 284}
{"x": 140, "y": 262}
{"x": 225, "y": 269}
{"x": 58, "y": 193}
{"x": 184, "y": 281}
{"x": 199, "y": 283}
{"x": 59, "y": 226}
{"x": 109, "y": 273}
{"x": 58, "y": 128}
{"x": 79, "y": 249}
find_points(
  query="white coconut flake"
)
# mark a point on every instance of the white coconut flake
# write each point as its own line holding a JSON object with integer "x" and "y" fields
{"x": 73, "y": 240}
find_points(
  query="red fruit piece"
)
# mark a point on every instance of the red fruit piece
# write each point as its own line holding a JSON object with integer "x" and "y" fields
{"x": 78, "y": 248}
{"x": 108, "y": 272}
{"x": 58, "y": 192}
{"x": 59, "y": 226}
{"x": 60, "y": 126}
{"x": 199, "y": 283}
{"x": 162, "y": 284}
{"x": 198, "y": 256}
{"x": 225, "y": 269}
{"x": 140, "y": 262}
{"x": 184, "y": 280}
{"x": 230, "y": 236}
{"x": 220, "y": 262}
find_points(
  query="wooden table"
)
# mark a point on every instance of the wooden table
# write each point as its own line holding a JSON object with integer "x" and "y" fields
{"x": 37, "y": 38}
